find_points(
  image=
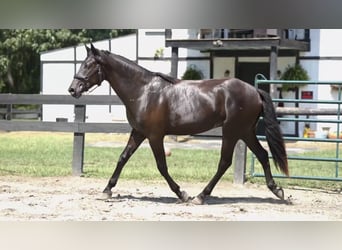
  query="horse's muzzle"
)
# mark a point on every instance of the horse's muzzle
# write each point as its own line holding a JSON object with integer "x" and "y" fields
{"x": 72, "y": 92}
{"x": 76, "y": 89}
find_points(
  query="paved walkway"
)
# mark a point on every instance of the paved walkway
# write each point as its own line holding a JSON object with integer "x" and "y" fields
{"x": 205, "y": 143}
{"x": 188, "y": 143}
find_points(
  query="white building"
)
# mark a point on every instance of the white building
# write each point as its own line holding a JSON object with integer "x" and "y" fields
{"x": 147, "y": 48}
{"x": 58, "y": 69}
{"x": 324, "y": 63}
{"x": 243, "y": 53}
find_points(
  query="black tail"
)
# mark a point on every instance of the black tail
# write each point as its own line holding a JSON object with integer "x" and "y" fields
{"x": 273, "y": 133}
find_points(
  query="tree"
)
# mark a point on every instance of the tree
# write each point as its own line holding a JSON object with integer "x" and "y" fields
{"x": 294, "y": 72}
{"x": 192, "y": 73}
{"x": 20, "y": 53}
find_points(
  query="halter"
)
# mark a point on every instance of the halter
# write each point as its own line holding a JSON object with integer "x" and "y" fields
{"x": 85, "y": 79}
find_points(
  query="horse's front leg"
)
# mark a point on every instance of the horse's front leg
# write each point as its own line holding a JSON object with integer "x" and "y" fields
{"x": 157, "y": 147}
{"x": 134, "y": 142}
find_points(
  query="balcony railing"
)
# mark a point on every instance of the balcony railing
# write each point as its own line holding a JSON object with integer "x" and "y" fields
{"x": 290, "y": 34}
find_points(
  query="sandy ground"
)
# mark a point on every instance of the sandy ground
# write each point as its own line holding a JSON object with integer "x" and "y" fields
{"x": 75, "y": 199}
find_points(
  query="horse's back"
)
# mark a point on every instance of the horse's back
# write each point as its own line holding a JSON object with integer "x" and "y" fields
{"x": 226, "y": 91}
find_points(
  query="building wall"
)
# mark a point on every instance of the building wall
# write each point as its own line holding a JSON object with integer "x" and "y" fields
{"x": 323, "y": 63}
{"x": 58, "y": 69}
{"x": 151, "y": 40}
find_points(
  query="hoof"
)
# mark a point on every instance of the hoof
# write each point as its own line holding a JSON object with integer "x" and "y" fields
{"x": 105, "y": 196}
{"x": 279, "y": 193}
{"x": 185, "y": 197}
{"x": 197, "y": 201}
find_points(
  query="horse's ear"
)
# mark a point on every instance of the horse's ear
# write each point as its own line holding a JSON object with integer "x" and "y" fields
{"x": 94, "y": 50}
{"x": 87, "y": 48}
{"x": 96, "y": 53}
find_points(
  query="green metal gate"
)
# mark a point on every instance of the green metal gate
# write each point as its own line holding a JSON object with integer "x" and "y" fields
{"x": 321, "y": 153}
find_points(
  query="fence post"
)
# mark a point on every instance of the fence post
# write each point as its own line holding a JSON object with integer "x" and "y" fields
{"x": 240, "y": 163}
{"x": 78, "y": 151}
{"x": 9, "y": 110}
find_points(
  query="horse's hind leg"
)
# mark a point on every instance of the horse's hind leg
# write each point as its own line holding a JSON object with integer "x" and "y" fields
{"x": 262, "y": 155}
{"x": 133, "y": 143}
{"x": 227, "y": 150}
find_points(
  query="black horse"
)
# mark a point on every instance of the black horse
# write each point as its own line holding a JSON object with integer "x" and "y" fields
{"x": 158, "y": 105}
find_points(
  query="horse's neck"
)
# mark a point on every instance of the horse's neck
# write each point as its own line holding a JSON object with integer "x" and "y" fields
{"x": 127, "y": 82}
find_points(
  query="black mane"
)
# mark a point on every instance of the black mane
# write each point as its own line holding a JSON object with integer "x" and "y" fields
{"x": 167, "y": 78}
{"x": 137, "y": 67}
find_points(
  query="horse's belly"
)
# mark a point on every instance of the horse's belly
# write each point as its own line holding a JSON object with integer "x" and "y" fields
{"x": 194, "y": 126}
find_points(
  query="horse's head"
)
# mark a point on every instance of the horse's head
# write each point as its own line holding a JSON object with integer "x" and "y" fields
{"x": 89, "y": 74}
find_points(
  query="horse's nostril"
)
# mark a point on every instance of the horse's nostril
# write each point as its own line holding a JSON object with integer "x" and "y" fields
{"x": 71, "y": 90}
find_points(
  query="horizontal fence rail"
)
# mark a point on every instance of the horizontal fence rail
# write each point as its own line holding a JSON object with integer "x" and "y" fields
{"x": 76, "y": 127}
{"x": 59, "y": 99}
{"x": 304, "y": 111}
{"x": 336, "y": 112}
{"x": 79, "y": 127}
